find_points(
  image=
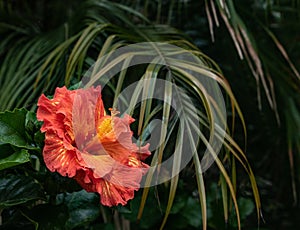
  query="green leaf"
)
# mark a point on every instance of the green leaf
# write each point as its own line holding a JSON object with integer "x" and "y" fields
{"x": 32, "y": 125}
{"x": 12, "y": 128}
{"x": 83, "y": 208}
{"x": 18, "y": 189}
{"x": 17, "y": 220}
{"x": 179, "y": 203}
{"x": 246, "y": 207}
{"x": 5, "y": 150}
{"x": 30, "y": 121}
{"x": 19, "y": 157}
{"x": 192, "y": 212}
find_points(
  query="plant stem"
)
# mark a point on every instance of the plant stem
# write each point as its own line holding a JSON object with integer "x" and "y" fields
{"x": 117, "y": 221}
{"x": 103, "y": 214}
{"x": 1, "y": 216}
{"x": 125, "y": 223}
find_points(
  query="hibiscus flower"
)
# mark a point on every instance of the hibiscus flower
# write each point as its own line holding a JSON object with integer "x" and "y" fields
{"x": 95, "y": 149}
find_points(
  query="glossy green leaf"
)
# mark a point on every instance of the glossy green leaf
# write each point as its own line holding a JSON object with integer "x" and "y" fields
{"x": 12, "y": 128}
{"x": 6, "y": 150}
{"x": 18, "y": 189}
{"x": 83, "y": 208}
{"x": 20, "y": 157}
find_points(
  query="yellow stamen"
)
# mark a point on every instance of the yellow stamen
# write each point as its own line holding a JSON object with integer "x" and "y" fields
{"x": 104, "y": 127}
{"x": 107, "y": 125}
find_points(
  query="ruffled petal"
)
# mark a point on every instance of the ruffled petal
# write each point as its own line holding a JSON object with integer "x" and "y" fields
{"x": 60, "y": 156}
{"x": 115, "y": 181}
{"x": 47, "y": 112}
{"x": 112, "y": 187}
{"x": 113, "y": 195}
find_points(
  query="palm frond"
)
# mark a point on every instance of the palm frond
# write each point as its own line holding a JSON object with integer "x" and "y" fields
{"x": 180, "y": 71}
{"x": 62, "y": 55}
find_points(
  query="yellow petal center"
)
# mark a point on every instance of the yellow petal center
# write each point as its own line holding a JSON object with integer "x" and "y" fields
{"x": 106, "y": 126}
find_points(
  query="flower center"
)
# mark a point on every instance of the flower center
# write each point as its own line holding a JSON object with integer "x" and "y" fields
{"x": 106, "y": 126}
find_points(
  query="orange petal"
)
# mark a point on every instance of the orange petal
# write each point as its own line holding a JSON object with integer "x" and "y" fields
{"x": 60, "y": 156}
{"x": 111, "y": 194}
{"x": 57, "y": 112}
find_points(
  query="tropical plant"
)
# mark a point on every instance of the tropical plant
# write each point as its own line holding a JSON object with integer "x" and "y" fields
{"x": 272, "y": 117}
{"x": 46, "y": 45}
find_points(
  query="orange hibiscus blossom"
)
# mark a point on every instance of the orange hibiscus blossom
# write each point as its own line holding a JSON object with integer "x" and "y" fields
{"x": 95, "y": 149}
